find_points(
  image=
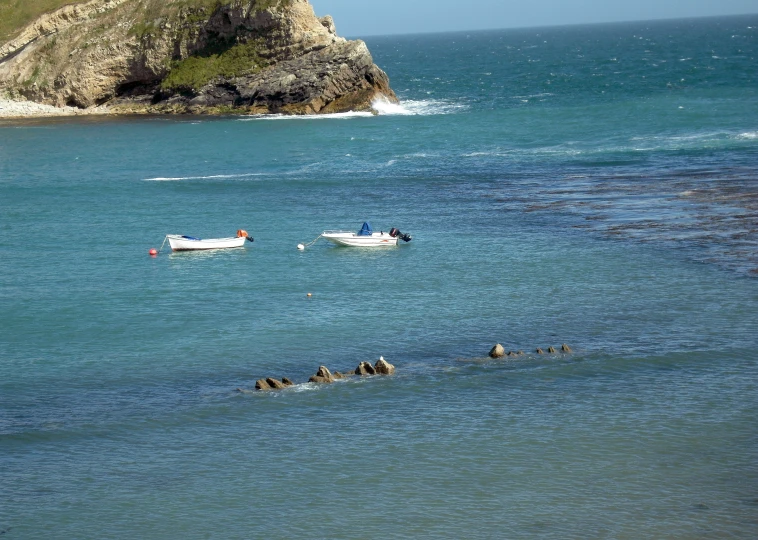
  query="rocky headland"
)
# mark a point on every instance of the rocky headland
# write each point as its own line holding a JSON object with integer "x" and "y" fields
{"x": 186, "y": 56}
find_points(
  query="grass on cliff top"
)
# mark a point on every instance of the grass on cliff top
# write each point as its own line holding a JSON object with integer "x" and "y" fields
{"x": 16, "y": 14}
{"x": 192, "y": 73}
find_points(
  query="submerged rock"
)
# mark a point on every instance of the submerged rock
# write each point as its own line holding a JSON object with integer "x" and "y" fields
{"x": 565, "y": 348}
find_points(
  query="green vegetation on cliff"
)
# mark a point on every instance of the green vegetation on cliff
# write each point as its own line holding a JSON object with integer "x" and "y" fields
{"x": 196, "y": 71}
{"x": 15, "y": 14}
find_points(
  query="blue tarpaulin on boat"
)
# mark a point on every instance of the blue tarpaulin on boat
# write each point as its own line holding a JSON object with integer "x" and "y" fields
{"x": 365, "y": 230}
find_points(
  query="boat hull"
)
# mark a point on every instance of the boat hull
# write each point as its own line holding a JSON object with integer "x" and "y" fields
{"x": 180, "y": 243}
{"x": 351, "y": 239}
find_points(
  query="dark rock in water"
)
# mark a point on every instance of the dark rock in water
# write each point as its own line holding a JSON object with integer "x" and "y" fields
{"x": 261, "y": 384}
{"x": 274, "y": 384}
{"x": 497, "y": 351}
{"x": 364, "y": 368}
{"x": 539, "y": 351}
{"x": 338, "y": 375}
{"x": 320, "y": 380}
{"x": 551, "y": 350}
{"x": 565, "y": 348}
{"x": 287, "y": 382}
{"x": 520, "y": 353}
{"x": 382, "y": 367}
{"x": 511, "y": 353}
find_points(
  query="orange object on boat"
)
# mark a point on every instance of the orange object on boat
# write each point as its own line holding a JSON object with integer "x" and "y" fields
{"x": 242, "y": 233}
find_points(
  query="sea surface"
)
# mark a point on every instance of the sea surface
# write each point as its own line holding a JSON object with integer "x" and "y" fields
{"x": 595, "y": 186}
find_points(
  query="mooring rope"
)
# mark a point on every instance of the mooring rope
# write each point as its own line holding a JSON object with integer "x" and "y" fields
{"x": 163, "y": 244}
{"x": 303, "y": 246}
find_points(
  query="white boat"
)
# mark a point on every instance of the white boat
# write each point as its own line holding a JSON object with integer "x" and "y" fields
{"x": 190, "y": 243}
{"x": 366, "y": 237}
{"x": 347, "y": 238}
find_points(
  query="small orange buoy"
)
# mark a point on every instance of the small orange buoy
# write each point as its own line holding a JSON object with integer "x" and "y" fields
{"x": 309, "y": 295}
{"x": 242, "y": 233}
{"x": 153, "y": 252}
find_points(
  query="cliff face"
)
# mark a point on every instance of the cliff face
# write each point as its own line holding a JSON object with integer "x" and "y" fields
{"x": 261, "y": 56}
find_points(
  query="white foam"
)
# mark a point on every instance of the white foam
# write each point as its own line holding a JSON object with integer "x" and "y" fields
{"x": 412, "y": 107}
{"x": 750, "y": 135}
{"x": 212, "y": 177}
{"x": 380, "y": 106}
{"x": 332, "y": 116}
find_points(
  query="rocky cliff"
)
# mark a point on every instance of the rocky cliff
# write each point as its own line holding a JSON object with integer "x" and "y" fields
{"x": 191, "y": 56}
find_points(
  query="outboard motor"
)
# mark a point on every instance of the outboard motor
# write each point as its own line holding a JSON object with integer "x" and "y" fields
{"x": 243, "y": 232}
{"x": 395, "y": 233}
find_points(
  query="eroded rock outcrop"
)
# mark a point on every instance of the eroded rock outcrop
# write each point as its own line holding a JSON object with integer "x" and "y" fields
{"x": 191, "y": 56}
{"x": 323, "y": 375}
{"x": 497, "y": 351}
{"x": 382, "y": 367}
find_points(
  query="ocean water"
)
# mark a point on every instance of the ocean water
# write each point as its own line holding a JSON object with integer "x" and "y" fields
{"x": 594, "y": 186}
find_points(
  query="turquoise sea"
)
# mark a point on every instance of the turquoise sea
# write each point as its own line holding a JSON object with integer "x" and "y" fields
{"x": 594, "y": 186}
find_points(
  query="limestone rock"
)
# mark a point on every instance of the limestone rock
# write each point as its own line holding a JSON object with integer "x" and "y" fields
{"x": 274, "y": 384}
{"x": 136, "y": 56}
{"x": 364, "y": 368}
{"x": 497, "y": 351}
{"x": 565, "y": 348}
{"x": 382, "y": 367}
{"x": 323, "y": 375}
{"x": 262, "y": 384}
{"x": 539, "y": 351}
{"x": 551, "y": 350}
{"x": 287, "y": 382}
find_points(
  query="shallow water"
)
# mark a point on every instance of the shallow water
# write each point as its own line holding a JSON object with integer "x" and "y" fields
{"x": 544, "y": 208}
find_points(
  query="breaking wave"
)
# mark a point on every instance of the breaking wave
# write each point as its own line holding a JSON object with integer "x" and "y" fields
{"x": 412, "y": 107}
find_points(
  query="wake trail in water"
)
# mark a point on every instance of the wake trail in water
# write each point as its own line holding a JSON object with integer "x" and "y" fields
{"x": 211, "y": 177}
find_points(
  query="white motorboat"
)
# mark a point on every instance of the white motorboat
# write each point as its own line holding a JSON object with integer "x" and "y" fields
{"x": 190, "y": 243}
{"x": 366, "y": 237}
{"x": 347, "y": 238}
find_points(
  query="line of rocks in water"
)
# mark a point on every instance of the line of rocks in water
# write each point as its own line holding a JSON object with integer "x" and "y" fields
{"x": 324, "y": 376}
{"x": 498, "y": 351}
{"x": 382, "y": 367}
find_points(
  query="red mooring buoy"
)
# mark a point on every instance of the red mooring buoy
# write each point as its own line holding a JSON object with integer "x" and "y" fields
{"x": 153, "y": 252}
